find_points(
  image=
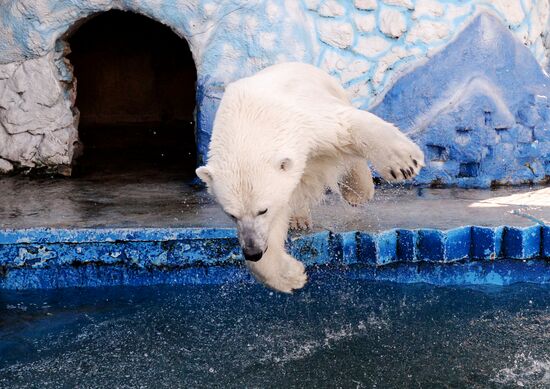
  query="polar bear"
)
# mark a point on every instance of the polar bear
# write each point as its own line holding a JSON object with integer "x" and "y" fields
{"x": 281, "y": 138}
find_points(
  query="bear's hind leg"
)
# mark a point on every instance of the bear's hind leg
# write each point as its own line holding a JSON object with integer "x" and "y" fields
{"x": 356, "y": 186}
{"x": 300, "y": 215}
{"x": 300, "y": 219}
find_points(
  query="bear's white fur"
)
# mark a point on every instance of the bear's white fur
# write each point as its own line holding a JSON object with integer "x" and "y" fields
{"x": 280, "y": 138}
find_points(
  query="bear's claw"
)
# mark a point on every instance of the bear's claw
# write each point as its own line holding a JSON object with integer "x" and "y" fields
{"x": 402, "y": 160}
{"x": 300, "y": 222}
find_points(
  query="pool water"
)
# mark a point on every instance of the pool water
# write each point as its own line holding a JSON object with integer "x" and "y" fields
{"x": 337, "y": 332}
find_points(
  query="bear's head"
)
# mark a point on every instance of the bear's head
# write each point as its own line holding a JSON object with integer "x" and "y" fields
{"x": 254, "y": 191}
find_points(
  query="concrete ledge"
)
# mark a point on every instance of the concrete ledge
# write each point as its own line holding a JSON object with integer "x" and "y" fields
{"x": 52, "y": 258}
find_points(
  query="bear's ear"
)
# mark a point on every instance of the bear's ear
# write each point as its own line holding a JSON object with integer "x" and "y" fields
{"x": 205, "y": 175}
{"x": 285, "y": 164}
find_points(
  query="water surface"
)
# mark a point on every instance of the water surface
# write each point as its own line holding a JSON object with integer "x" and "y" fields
{"x": 336, "y": 332}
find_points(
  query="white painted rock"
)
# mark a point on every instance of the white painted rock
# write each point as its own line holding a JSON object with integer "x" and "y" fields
{"x": 367, "y": 5}
{"x": 431, "y": 8}
{"x": 402, "y": 3}
{"x": 364, "y": 22}
{"x": 312, "y": 5}
{"x": 336, "y": 34}
{"x": 512, "y": 10}
{"x": 392, "y": 23}
{"x": 371, "y": 46}
{"x": 427, "y": 31}
{"x": 5, "y": 166}
{"x": 331, "y": 8}
{"x": 37, "y": 119}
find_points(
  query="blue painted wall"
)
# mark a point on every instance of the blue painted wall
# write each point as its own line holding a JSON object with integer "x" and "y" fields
{"x": 480, "y": 109}
{"x": 51, "y": 258}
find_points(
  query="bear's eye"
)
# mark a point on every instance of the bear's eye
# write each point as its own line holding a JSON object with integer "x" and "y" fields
{"x": 231, "y": 216}
{"x": 263, "y": 212}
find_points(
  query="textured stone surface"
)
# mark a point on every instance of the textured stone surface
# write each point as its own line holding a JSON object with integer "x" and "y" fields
{"x": 392, "y": 23}
{"x": 38, "y": 126}
{"x": 365, "y": 4}
{"x": 371, "y": 46}
{"x": 365, "y": 22}
{"x": 331, "y": 8}
{"x": 428, "y": 8}
{"x": 336, "y": 34}
{"x": 402, "y": 3}
{"x": 430, "y": 25}
{"x": 479, "y": 108}
{"x": 427, "y": 31}
{"x": 5, "y": 166}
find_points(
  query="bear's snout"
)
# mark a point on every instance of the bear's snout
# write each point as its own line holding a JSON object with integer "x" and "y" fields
{"x": 253, "y": 256}
{"x": 252, "y": 244}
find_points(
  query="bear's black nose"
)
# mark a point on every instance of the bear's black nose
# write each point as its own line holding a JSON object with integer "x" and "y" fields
{"x": 253, "y": 256}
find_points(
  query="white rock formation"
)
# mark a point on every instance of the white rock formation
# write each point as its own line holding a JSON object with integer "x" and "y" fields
{"x": 427, "y": 31}
{"x": 312, "y": 5}
{"x": 5, "y": 166}
{"x": 364, "y": 22}
{"x": 331, "y": 8}
{"x": 336, "y": 34}
{"x": 430, "y": 8}
{"x": 37, "y": 124}
{"x": 392, "y": 23}
{"x": 367, "y": 5}
{"x": 371, "y": 46}
{"x": 512, "y": 10}
{"x": 402, "y": 3}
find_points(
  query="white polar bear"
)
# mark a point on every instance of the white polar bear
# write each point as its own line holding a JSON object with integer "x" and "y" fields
{"x": 280, "y": 138}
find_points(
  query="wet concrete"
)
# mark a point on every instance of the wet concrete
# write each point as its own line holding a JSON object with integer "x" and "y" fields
{"x": 153, "y": 198}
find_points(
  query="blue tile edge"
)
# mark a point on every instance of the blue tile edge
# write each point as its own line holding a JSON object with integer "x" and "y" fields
{"x": 51, "y": 258}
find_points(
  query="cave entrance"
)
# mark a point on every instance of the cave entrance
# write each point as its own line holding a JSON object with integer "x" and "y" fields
{"x": 136, "y": 95}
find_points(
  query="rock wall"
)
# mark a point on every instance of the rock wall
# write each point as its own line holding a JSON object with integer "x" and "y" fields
{"x": 479, "y": 108}
{"x": 228, "y": 39}
{"x": 37, "y": 123}
{"x": 368, "y": 44}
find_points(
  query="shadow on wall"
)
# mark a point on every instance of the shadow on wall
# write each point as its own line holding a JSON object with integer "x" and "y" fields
{"x": 135, "y": 93}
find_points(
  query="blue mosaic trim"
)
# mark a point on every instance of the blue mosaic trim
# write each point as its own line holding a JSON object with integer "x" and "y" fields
{"x": 51, "y": 258}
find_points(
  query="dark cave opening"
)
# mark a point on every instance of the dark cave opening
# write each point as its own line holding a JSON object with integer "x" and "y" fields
{"x": 136, "y": 95}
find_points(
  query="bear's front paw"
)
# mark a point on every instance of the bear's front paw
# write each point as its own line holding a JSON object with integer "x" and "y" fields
{"x": 300, "y": 222}
{"x": 290, "y": 279}
{"x": 400, "y": 159}
{"x": 279, "y": 271}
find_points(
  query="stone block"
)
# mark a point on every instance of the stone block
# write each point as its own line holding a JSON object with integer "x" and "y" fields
{"x": 349, "y": 247}
{"x": 431, "y": 245}
{"x": 486, "y": 242}
{"x": 457, "y": 244}
{"x": 386, "y": 247}
{"x": 377, "y": 249}
{"x": 522, "y": 243}
{"x": 314, "y": 249}
{"x": 546, "y": 241}
{"x": 406, "y": 245}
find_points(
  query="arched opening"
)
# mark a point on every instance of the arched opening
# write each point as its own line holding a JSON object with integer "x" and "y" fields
{"x": 136, "y": 95}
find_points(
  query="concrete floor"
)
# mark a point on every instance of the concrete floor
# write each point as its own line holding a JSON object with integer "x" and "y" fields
{"x": 149, "y": 198}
